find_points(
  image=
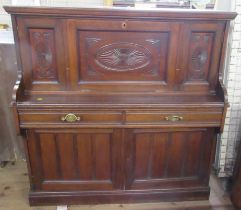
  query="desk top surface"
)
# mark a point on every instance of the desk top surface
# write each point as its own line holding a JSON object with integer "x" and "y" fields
{"x": 130, "y": 100}
{"x": 127, "y": 12}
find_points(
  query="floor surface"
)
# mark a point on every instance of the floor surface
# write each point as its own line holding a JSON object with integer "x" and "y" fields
{"x": 14, "y": 190}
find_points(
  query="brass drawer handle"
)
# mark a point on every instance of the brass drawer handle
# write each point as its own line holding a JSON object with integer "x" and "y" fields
{"x": 173, "y": 118}
{"x": 70, "y": 118}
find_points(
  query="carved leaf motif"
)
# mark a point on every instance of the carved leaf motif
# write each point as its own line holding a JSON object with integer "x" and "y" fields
{"x": 42, "y": 54}
{"x": 199, "y": 58}
{"x": 200, "y": 52}
{"x": 123, "y": 57}
{"x": 91, "y": 41}
{"x": 153, "y": 41}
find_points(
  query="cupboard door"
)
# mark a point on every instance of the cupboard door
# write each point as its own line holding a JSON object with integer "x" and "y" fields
{"x": 122, "y": 55}
{"x": 160, "y": 159}
{"x": 85, "y": 159}
{"x": 42, "y": 53}
{"x": 199, "y": 56}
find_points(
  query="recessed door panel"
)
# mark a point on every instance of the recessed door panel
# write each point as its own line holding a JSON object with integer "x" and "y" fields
{"x": 120, "y": 55}
{"x": 75, "y": 159}
{"x": 158, "y": 158}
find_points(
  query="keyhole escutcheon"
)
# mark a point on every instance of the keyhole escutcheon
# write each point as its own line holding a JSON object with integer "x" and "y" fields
{"x": 124, "y": 25}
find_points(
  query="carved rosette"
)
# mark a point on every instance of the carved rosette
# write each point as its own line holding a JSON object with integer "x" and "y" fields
{"x": 200, "y": 52}
{"x": 123, "y": 57}
{"x": 199, "y": 58}
{"x": 42, "y": 51}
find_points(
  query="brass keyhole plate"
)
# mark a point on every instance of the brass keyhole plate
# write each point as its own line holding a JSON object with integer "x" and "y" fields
{"x": 124, "y": 25}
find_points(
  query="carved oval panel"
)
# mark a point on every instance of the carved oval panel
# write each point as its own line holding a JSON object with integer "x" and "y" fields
{"x": 123, "y": 57}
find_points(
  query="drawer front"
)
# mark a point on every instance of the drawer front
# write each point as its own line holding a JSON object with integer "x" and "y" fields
{"x": 70, "y": 118}
{"x": 173, "y": 117}
{"x": 131, "y": 118}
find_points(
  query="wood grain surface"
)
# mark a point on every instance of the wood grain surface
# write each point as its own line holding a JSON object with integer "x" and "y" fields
{"x": 119, "y": 105}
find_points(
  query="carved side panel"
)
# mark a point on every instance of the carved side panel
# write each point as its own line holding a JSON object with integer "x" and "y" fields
{"x": 122, "y": 56}
{"x": 42, "y": 42}
{"x": 200, "y": 54}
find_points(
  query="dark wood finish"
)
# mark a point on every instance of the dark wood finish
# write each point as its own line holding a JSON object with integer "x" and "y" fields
{"x": 42, "y": 46}
{"x": 119, "y": 105}
{"x": 85, "y": 159}
{"x": 159, "y": 159}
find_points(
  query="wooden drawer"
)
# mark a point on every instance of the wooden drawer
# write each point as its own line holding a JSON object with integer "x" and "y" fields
{"x": 131, "y": 118}
{"x": 69, "y": 118}
{"x": 174, "y": 118}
